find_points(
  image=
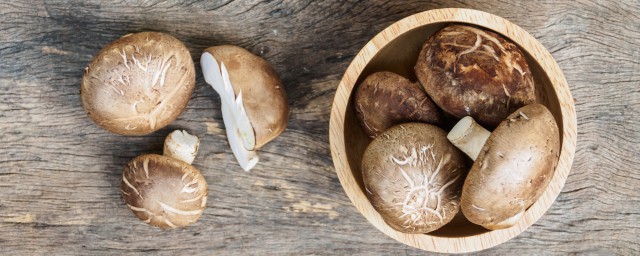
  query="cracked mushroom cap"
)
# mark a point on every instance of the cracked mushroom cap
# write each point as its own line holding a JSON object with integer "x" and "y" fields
{"x": 513, "y": 169}
{"x": 138, "y": 83}
{"x": 263, "y": 95}
{"x": 474, "y": 72}
{"x": 413, "y": 177}
{"x": 163, "y": 191}
{"x": 385, "y": 99}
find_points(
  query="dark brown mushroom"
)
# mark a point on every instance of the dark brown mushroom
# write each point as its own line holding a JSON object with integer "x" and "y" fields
{"x": 474, "y": 72}
{"x": 385, "y": 99}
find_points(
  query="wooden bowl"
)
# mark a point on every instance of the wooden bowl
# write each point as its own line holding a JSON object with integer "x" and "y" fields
{"x": 396, "y": 49}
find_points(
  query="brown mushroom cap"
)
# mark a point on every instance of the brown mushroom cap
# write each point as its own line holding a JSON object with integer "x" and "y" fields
{"x": 413, "y": 177}
{"x": 385, "y": 99}
{"x": 138, "y": 83}
{"x": 163, "y": 191}
{"x": 474, "y": 72}
{"x": 513, "y": 169}
{"x": 263, "y": 95}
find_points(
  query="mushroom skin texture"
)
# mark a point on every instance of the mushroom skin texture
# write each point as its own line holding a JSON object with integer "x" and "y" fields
{"x": 138, "y": 84}
{"x": 385, "y": 99}
{"x": 512, "y": 169}
{"x": 164, "y": 192}
{"x": 263, "y": 95}
{"x": 413, "y": 177}
{"x": 469, "y": 71}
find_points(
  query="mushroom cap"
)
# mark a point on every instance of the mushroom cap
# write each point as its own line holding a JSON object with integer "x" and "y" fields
{"x": 413, "y": 177}
{"x": 163, "y": 191}
{"x": 513, "y": 169}
{"x": 263, "y": 95}
{"x": 385, "y": 99}
{"x": 469, "y": 71}
{"x": 138, "y": 84}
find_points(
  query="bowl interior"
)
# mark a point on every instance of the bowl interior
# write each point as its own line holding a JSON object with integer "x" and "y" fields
{"x": 399, "y": 56}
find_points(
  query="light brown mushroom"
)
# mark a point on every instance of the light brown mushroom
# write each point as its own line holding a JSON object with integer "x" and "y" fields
{"x": 385, "y": 99}
{"x": 474, "y": 72}
{"x": 513, "y": 165}
{"x": 263, "y": 95}
{"x": 163, "y": 191}
{"x": 138, "y": 84}
{"x": 413, "y": 177}
{"x": 253, "y": 100}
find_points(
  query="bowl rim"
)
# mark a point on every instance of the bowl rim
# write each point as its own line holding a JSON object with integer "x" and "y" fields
{"x": 538, "y": 54}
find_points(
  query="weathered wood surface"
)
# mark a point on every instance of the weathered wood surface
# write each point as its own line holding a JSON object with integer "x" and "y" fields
{"x": 60, "y": 174}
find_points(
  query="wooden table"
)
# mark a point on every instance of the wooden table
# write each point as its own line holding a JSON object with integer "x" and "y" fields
{"x": 60, "y": 174}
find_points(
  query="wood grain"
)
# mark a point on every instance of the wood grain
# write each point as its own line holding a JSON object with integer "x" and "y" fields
{"x": 59, "y": 173}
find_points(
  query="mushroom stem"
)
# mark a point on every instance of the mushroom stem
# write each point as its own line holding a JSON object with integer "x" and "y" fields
{"x": 469, "y": 136}
{"x": 246, "y": 158}
{"x": 182, "y": 146}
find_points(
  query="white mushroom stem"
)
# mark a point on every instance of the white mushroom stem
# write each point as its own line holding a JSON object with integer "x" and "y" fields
{"x": 469, "y": 136}
{"x": 182, "y": 146}
{"x": 240, "y": 133}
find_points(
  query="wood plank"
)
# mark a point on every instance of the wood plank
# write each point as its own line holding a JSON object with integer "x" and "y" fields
{"x": 59, "y": 173}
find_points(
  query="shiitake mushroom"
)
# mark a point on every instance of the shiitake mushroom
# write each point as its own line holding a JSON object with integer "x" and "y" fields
{"x": 138, "y": 84}
{"x": 166, "y": 191}
{"x": 413, "y": 177}
{"x": 385, "y": 99}
{"x": 469, "y": 71}
{"x": 253, "y": 100}
{"x": 513, "y": 164}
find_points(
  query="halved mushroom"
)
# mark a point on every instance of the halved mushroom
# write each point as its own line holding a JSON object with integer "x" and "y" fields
{"x": 413, "y": 177}
{"x": 254, "y": 103}
{"x": 469, "y": 71}
{"x": 513, "y": 165}
{"x": 138, "y": 84}
{"x": 163, "y": 191}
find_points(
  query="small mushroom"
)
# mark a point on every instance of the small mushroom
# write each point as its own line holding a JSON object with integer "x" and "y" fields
{"x": 253, "y": 100}
{"x": 385, "y": 99}
{"x": 469, "y": 71}
{"x": 513, "y": 165}
{"x": 138, "y": 84}
{"x": 166, "y": 191}
{"x": 413, "y": 177}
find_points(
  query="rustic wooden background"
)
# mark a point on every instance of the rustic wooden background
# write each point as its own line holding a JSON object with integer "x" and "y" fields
{"x": 60, "y": 174}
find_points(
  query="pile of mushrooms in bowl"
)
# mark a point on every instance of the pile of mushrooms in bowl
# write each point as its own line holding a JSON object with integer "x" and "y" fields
{"x": 453, "y": 130}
